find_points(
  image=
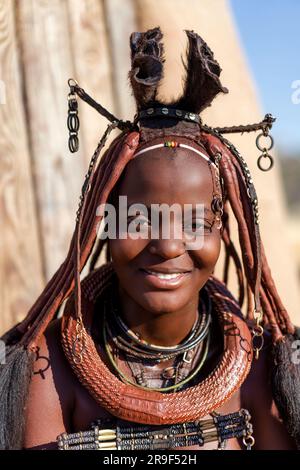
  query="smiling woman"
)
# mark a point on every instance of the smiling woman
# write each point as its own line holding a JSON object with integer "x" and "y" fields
{"x": 152, "y": 349}
{"x": 160, "y": 274}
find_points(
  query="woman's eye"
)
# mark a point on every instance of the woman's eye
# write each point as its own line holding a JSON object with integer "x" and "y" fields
{"x": 197, "y": 226}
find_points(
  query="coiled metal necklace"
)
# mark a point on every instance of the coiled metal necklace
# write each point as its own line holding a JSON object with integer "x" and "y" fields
{"x": 116, "y": 332}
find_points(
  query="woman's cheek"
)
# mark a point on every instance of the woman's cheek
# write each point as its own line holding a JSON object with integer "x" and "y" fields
{"x": 124, "y": 250}
{"x": 207, "y": 256}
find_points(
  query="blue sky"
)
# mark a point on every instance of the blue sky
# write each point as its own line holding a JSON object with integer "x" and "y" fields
{"x": 269, "y": 30}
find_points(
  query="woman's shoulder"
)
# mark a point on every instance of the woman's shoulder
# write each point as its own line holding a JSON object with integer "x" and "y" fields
{"x": 50, "y": 358}
{"x": 51, "y": 391}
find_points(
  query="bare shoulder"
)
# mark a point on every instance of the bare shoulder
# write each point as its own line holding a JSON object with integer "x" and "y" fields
{"x": 256, "y": 392}
{"x": 51, "y": 392}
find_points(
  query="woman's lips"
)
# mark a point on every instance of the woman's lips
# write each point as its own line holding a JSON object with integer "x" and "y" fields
{"x": 164, "y": 280}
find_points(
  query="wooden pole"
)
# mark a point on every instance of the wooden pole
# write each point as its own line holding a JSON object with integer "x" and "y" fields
{"x": 20, "y": 249}
{"x": 47, "y": 62}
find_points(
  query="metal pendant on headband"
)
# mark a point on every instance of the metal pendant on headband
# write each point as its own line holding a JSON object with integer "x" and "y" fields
{"x": 73, "y": 120}
{"x": 265, "y": 156}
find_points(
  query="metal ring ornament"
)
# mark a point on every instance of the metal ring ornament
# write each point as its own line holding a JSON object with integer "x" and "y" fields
{"x": 258, "y": 316}
{"x": 258, "y": 145}
{"x": 80, "y": 341}
{"x": 265, "y": 155}
{"x": 73, "y": 122}
{"x": 73, "y": 143}
{"x": 248, "y": 441}
{"x": 258, "y": 332}
{"x": 217, "y": 204}
{"x": 72, "y": 82}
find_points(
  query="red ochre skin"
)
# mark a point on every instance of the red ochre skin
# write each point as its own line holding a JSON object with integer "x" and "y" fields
{"x": 161, "y": 312}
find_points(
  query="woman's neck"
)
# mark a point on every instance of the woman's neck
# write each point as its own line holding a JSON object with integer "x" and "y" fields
{"x": 161, "y": 329}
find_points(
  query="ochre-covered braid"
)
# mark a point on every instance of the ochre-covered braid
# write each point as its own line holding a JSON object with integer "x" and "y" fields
{"x": 253, "y": 255}
{"x": 64, "y": 274}
{"x": 62, "y": 283}
{"x": 66, "y": 283}
{"x": 230, "y": 252}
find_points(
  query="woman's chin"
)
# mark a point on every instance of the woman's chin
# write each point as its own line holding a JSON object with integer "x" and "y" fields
{"x": 162, "y": 302}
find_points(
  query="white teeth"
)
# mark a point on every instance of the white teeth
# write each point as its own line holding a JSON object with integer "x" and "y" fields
{"x": 165, "y": 276}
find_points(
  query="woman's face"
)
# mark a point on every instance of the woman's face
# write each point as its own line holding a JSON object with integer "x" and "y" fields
{"x": 165, "y": 176}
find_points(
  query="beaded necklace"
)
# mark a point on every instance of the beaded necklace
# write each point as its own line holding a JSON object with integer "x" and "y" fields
{"x": 110, "y": 434}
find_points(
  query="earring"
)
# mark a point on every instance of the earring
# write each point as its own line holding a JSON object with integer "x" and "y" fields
{"x": 257, "y": 334}
{"x": 217, "y": 209}
{"x": 73, "y": 120}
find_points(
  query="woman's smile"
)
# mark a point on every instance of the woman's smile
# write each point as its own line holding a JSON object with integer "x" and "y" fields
{"x": 165, "y": 279}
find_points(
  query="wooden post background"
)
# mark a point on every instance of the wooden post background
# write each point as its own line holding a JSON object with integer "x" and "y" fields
{"x": 42, "y": 44}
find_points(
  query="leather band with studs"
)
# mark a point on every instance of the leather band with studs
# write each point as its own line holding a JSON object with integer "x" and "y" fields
{"x": 169, "y": 112}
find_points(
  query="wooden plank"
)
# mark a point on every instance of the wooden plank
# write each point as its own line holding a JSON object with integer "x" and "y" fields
{"x": 121, "y": 22}
{"x": 92, "y": 65}
{"x": 20, "y": 252}
{"x": 47, "y": 59}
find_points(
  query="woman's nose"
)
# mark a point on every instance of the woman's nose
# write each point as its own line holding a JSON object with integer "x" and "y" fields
{"x": 167, "y": 248}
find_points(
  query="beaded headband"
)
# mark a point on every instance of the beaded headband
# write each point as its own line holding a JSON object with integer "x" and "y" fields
{"x": 174, "y": 144}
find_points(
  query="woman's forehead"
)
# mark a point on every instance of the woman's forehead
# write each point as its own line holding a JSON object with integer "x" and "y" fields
{"x": 168, "y": 173}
